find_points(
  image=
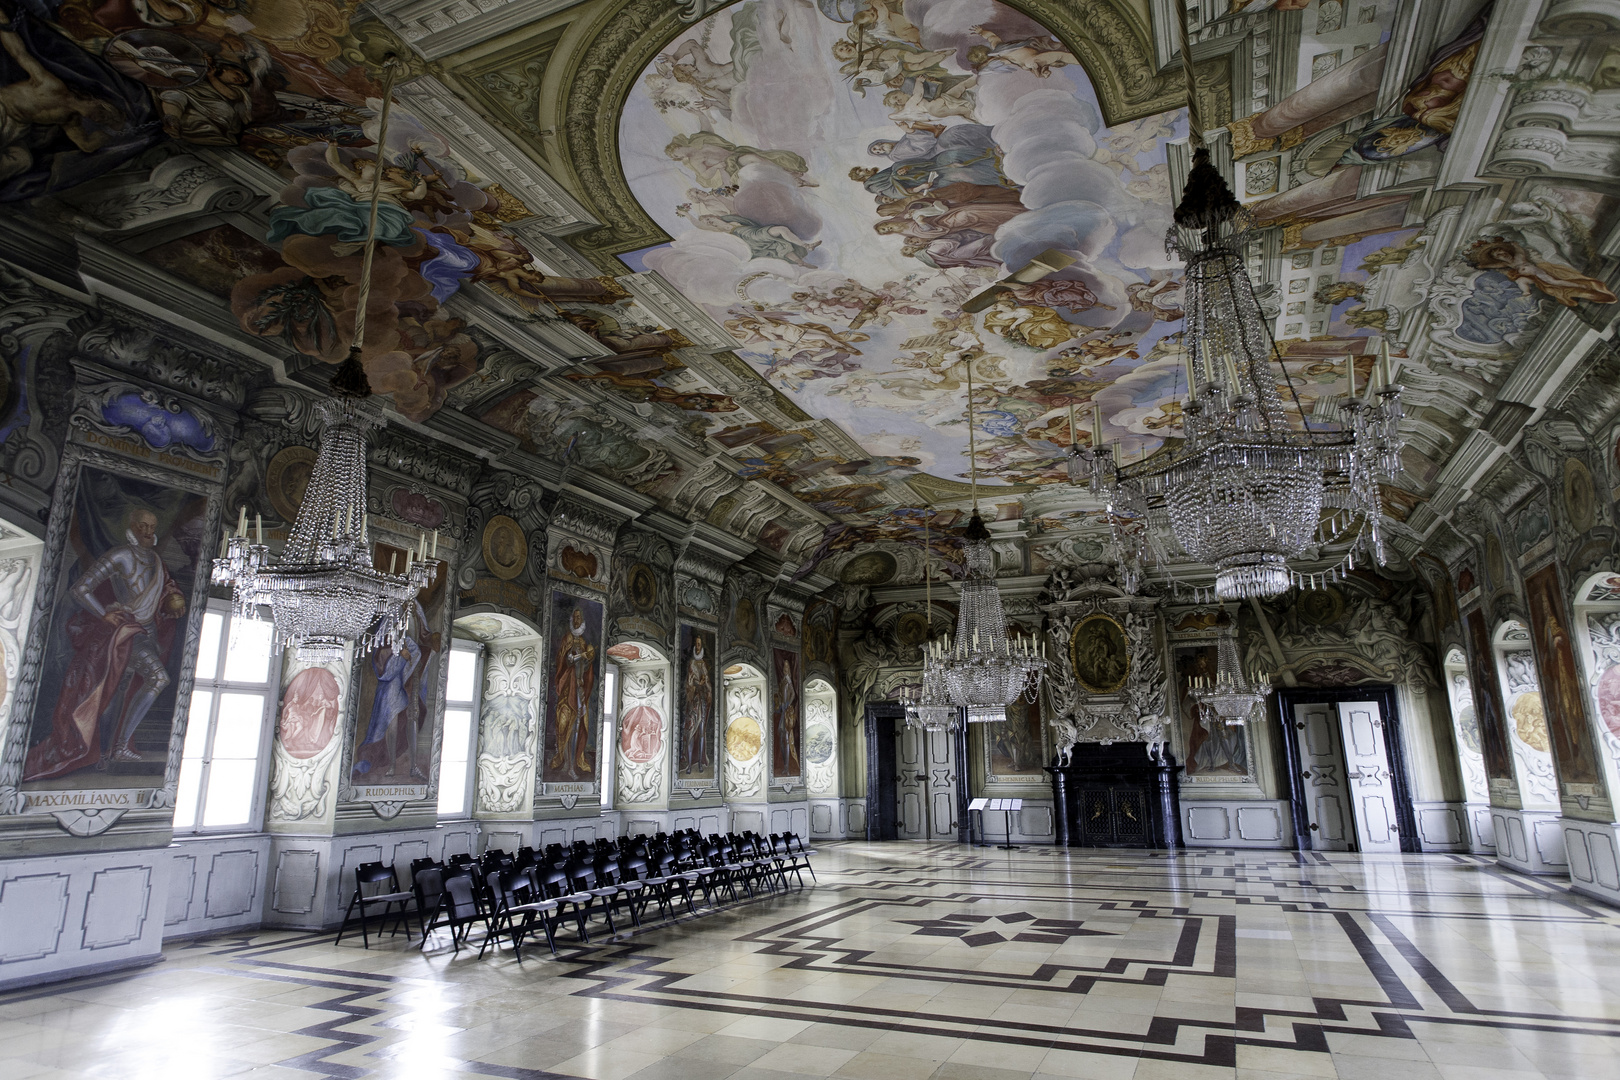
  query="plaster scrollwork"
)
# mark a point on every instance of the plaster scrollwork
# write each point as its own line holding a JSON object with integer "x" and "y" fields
{"x": 182, "y": 186}
{"x": 133, "y": 341}
{"x": 1603, "y": 630}
{"x": 744, "y": 740}
{"x": 821, "y": 776}
{"x": 302, "y": 786}
{"x": 507, "y": 729}
{"x": 643, "y": 781}
{"x": 1134, "y": 713}
{"x": 301, "y": 789}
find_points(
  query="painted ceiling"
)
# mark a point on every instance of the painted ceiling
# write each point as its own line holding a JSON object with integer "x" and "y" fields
{"x": 743, "y": 258}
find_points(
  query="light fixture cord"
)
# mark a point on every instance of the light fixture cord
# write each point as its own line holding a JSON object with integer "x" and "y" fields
{"x": 973, "y": 452}
{"x": 1195, "y": 122}
{"x": 391, "y": 69}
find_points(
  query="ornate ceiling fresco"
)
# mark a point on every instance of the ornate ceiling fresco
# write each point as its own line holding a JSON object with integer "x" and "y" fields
{"x": 739, "y": 260}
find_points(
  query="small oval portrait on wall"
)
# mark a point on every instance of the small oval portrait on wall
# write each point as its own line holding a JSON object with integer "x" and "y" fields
{"x": 1320, "y": 607}
{"x": 643, "y": 587}
{"x": 505, "y": 550}
{"x": 911, "y": 628}
{"x": 1099, "y": 654}
{"x": 286, "y": 477}
{"x": 1580, "y": 495}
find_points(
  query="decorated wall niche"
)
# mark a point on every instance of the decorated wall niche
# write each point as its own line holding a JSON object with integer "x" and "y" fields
{"x": 1526, "y": 716}
{"x": 643, "y": 746}
{"x": 308, "y": 745}
{"x": 19, "y": 573}
{"x": 820, "y": 738}
{"x": 1465, "y": 724}
{"x": 697, "y": 675}
{"x": 98, "y": 717}
{"x": 1598, "y": 617}
{"x": 1104, "y": 677}
{"x": 747, "y": 721}
{"x": 641, "y": 596}
{"x": 508, "y": 713}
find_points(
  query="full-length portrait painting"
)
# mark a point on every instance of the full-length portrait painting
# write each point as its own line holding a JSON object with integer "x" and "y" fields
{"x": 1099, "y": 653}
{"x": 786, "y": 712}
{"x": 1562, "y": 698}
{"x": 694, "y": 705}
{"x": 1488, "y": 700}
{"x": 397, "y": 708}
{"x": 572, "y": 700}
{"x": 112, "y": 662}
{"x": 1014, "y": 745}
{"x": 1215, "y": 749}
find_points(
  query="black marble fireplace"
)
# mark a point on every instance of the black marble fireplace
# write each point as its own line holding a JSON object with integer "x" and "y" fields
{"x": 1116, "y": 796}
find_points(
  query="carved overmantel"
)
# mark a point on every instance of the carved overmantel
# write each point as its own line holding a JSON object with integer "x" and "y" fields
{"x": 1135, "y": 709}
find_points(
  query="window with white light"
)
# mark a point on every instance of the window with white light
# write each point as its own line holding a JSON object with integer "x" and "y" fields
{"x": 221, "y": 787}
{"x": 461, "y": 694}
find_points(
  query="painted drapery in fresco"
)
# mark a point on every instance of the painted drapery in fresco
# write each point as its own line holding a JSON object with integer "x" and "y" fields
{"x": 787, "y": 732}
{"x": 112, "y": 661}
{"x": 1215, "y": 749}
{"x": 1015, "y": 744}
{"x": 573, "y": 705}
{"x": 397, "y": 709}
{"x": 1563, "y": 700}
{"x": 694, "y": 705}
{"x": 1488, "y": 700}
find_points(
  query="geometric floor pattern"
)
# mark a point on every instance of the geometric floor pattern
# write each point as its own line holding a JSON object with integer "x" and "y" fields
{"x": 915, "y": 962}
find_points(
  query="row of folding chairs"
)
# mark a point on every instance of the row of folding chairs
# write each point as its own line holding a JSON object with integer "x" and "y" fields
{"x": 515, "y": 897}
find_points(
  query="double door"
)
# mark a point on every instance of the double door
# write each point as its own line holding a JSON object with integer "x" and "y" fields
{"x": 1344, "y": 771}
{"x": 926, "y": 777}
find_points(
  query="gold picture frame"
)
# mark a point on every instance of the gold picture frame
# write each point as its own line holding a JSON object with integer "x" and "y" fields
{"x": 1100, "y": 653}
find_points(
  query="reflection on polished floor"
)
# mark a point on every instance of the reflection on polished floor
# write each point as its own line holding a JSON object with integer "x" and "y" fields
{"x": 912, "y": 961}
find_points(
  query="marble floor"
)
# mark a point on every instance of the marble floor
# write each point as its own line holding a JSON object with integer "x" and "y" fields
{"x": 915, "y": 961}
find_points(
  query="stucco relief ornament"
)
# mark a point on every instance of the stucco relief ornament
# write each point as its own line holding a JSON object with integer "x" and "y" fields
{"x": 324, "y": 593}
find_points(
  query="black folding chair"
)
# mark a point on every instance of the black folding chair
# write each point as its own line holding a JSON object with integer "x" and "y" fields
{"x": 384, "y": 880}
{"x": 460, "y": 908}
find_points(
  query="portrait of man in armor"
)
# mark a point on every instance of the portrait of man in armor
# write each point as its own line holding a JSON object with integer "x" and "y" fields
{"x": 106, "y": 688}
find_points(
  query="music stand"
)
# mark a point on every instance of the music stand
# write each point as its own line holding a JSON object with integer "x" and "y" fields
{"x": 977, "y": 807}
{"x": 1008, "y": 807}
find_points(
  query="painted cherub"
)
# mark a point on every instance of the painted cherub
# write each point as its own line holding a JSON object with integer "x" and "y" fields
{"x": 1036, "y": 55}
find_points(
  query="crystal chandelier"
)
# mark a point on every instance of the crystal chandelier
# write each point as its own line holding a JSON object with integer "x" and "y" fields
{"x": 929, "y": 707}
{"x": 324, "y": 592}
{"x": 1233, "y": 696}
{"x": 1246, "y": 490}
{"x": 982, "y": 669}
